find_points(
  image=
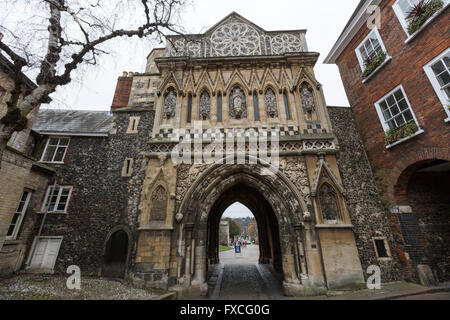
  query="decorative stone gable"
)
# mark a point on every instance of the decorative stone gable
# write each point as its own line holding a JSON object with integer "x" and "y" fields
{"x": 236, "y": 36}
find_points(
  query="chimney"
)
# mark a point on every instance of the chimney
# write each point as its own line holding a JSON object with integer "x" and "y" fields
{"x": 123, "y": 90}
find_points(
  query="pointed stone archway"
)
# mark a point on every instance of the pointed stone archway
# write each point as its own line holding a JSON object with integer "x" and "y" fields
{"x": 276, "y": 202}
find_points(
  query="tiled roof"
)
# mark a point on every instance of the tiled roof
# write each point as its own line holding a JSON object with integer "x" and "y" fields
{"x": 73, "y": 122}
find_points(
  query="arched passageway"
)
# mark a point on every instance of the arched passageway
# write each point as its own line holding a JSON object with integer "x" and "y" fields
{"x": 115, "y": 260}
{"x": 423, "y": 198}
{"x": 268, "y": 229}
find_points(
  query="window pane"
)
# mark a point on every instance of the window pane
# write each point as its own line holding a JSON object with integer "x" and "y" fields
{"x": 408, "y": 115}
{"x": 395, "y": 110}
{"x": 189, "y": 115}
{"x": 53, "y": 141}
{"x": 390, "y": 100}
{"x": 399, "y": 119}
{"x": 59, "y": 154}
{"x": 444, "y": 78}
{"x": 10, "y": 230}
{"x": 391, "y": 124}
{"x": 438, "y": 67}
{"x": 386, "y": 114}
{"x": 447, "y": 61}
{"x": 447, "y": 92}
{"x": 404, "y": 6}
{"x": 255, "y": 106}
{"x": 64, "y": 141}
{"x": 363, "y": 53}
{"x": 398, "y": 95}
{"x": 403, "y": 105}
{"x": 383, "y": 105}
{"x": 219, "y": 108}
{"x": 49, "y": 153}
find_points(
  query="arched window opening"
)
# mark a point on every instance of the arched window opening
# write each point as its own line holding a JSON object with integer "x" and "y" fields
{"x": 256, "y": 106}
{"x": 286, "y": 105}
{"x": 271, "y": 103}
{"x": 219, "y": 107}
{"x": 189, "y": 110}
{"x": 205, "y": 106}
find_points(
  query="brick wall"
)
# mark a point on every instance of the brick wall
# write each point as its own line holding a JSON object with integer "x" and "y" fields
{"x": 122, "y": 93}
{"x": 406, "y": 68}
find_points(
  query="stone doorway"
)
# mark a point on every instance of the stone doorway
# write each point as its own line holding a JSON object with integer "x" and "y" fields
{"x": 116, "y": 253}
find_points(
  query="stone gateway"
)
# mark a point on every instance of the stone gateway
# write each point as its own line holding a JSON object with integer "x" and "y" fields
{"x": 250, "y": 98}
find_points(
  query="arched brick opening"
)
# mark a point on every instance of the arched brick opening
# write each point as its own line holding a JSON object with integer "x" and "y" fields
{"x": 422, "y": 206}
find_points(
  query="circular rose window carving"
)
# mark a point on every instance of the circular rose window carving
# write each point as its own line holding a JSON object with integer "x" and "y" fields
{"x": 235, "y": 39}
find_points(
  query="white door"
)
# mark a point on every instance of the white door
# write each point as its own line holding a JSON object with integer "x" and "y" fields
{"x": 46, "y": 253}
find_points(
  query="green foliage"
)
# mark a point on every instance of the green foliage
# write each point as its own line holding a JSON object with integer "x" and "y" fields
{"x": 224, "y": 248}
{"x": 372, "y": 63}
{"x": 401, "y": 132}
{"x": 234, "y": 228}
{"x": 421, "y": 13}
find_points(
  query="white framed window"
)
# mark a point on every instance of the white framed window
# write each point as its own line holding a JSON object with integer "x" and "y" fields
{"x": 17, "y": 219}
{"x": 395, "y": 110}
{"x": 438, "y": 71}
{"x": 57, "y": 199}
{"x": 55, "y": 150}
{"x": 369, "y": 48}
{"x": 402, "y": 9}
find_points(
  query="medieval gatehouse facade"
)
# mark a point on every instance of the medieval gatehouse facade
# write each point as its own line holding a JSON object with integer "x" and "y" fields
{"x": 133, "y": 199}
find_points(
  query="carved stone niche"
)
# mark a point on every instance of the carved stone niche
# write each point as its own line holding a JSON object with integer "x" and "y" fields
{"x": 271, "y": 103}
{"x": 205, "y": 106}
{"x": 158, "y": 210}
{"x": 307, "y": 96}
{"x": 238, "y": 106}
{"x": 170, "y": 102}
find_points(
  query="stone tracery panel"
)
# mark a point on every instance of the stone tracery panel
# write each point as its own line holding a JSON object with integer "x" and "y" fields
{"x": 235, "y": 39}
{"x": 285, "y": 42}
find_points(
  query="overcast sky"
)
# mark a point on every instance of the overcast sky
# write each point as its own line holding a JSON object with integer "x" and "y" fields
{"x": 237, "y": 210}
{"x": 324, "y": 20}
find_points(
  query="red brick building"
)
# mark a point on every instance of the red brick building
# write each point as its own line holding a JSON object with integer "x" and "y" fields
{"x": 396, "y": 72}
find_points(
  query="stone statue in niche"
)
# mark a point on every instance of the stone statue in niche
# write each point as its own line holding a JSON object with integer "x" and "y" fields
{"x": 238, "y": 109}
{"x": 205, "y": 106}
{"x": 170, "y": 103}
{"x": 271, "y": 104}
{"x": 328, "y": 203}
{"x": 159, "y": 204}
{"x": 309, "y": 107}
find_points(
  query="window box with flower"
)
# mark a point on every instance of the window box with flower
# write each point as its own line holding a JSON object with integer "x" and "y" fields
{"x": 405, "y": 130}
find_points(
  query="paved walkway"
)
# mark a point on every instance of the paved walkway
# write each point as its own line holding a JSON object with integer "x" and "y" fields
{"x": 240, "y": 277}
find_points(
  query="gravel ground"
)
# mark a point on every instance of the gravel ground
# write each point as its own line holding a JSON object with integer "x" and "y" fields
{"x": 49, "y": 287}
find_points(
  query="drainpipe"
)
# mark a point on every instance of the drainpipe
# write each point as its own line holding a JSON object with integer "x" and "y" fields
{"x": 33, "y": 248}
